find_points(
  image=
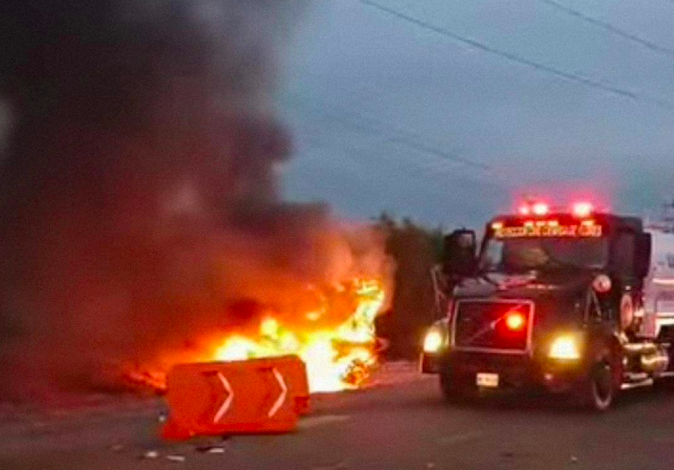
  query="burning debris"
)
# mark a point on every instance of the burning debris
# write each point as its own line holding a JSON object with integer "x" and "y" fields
{"x": 140, "y": 211}
{"x": 337, "y": 357}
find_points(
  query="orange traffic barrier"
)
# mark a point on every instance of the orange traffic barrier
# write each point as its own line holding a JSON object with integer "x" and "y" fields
{"x": 242, "y": 397}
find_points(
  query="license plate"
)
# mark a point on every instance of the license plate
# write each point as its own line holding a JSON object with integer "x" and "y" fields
{"x": 487, "y": 380}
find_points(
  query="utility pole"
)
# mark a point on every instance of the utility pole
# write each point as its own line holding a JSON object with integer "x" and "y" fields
{"x": 668, "y": 217}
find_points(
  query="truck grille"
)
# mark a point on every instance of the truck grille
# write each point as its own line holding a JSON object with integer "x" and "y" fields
{"x": 481, "y": 325}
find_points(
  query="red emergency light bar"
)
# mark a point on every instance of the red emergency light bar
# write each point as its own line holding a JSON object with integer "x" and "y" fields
{"x": 541, "y": 209}
{"x": 582, "y": 209}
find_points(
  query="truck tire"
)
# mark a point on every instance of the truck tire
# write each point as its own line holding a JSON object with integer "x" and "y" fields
{"x": 453, "y": 391}
{"x": 664, "y": 384}
{"x": 597, "y": 392}
{"x": 447, "y": 386}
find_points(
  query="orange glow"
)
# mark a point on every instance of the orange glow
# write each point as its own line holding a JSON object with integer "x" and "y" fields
{"x": 582, "y": 209}
{"x": 515, "y": 321}
{"x": 337, "y": 357}
{"x": 497, "y": 225}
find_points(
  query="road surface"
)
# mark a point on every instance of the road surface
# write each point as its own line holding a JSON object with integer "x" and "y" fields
{"x": 402, "y": 423}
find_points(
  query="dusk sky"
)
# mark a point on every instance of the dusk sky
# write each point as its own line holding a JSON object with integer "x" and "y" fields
{"x": 390, "y": 116}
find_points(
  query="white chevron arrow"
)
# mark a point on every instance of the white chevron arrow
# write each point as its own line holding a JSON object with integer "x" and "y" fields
{"x": 282, "y": 397}
{"x": 228, "y": 401}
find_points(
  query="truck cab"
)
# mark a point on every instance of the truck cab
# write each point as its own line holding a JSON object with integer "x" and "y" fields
{"x": 552, "y": 300}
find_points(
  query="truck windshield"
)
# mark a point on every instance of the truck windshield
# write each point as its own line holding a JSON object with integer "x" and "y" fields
{"x": 526, "y": 254}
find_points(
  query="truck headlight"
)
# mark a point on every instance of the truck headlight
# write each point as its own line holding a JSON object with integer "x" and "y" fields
{"x": 434, "y": 341}
{"x": 565, "y": 347}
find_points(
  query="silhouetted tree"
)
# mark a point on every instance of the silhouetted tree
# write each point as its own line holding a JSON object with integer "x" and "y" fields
{"x": 416, "y": 250}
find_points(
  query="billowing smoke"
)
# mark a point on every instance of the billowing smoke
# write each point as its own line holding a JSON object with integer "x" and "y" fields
{"x": 139, "y": 207}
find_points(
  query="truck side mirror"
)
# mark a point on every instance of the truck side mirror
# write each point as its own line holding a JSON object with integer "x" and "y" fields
{"x": 642, "y": 255}
{"x": 460, "y": 254}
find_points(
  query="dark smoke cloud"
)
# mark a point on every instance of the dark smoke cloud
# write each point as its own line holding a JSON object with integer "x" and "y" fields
{"x": 138, "y": 199}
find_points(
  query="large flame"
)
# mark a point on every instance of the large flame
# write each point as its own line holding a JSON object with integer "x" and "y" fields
{"x": 337, "y": 358}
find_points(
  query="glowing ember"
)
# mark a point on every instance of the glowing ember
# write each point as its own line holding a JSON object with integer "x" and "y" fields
{"x": 337, "y": 358}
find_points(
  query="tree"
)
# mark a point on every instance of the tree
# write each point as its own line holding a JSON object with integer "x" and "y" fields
{"x": 415, "y": 250}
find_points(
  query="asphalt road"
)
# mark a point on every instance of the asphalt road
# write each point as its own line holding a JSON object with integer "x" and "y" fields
{"x": 400, "y": 424}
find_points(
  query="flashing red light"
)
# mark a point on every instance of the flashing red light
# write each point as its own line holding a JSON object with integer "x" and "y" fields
{"x": 515, "y": 321}
{"x": 582, "y": 209}
{"x": 524, "y": 210}
{"x": 540, "y": 209}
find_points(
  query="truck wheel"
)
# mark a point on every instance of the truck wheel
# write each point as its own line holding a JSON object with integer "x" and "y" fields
{"x": 598, "y": 391}
{"x": 454, "y": 391}
{"x": 447, "y": 386}
{"x": 664, "y": 384}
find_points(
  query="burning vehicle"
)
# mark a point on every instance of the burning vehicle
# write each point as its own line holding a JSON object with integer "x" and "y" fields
{"x": 553, "y": 300}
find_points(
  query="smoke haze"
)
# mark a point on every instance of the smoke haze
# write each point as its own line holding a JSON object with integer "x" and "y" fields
{"x": 139, "y": 207}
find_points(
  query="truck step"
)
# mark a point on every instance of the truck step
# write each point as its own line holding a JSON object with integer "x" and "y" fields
{"x": 631, "y": 385}
{"x": 669, "y": 373}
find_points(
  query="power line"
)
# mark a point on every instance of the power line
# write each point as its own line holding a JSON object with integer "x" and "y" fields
{"x": 609, "y": 27}
{"x": 572, "y": 77}
{"x": 350, "y": 152}
{"x": 393, "y": 135}
{"x": 437, "y": 161}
